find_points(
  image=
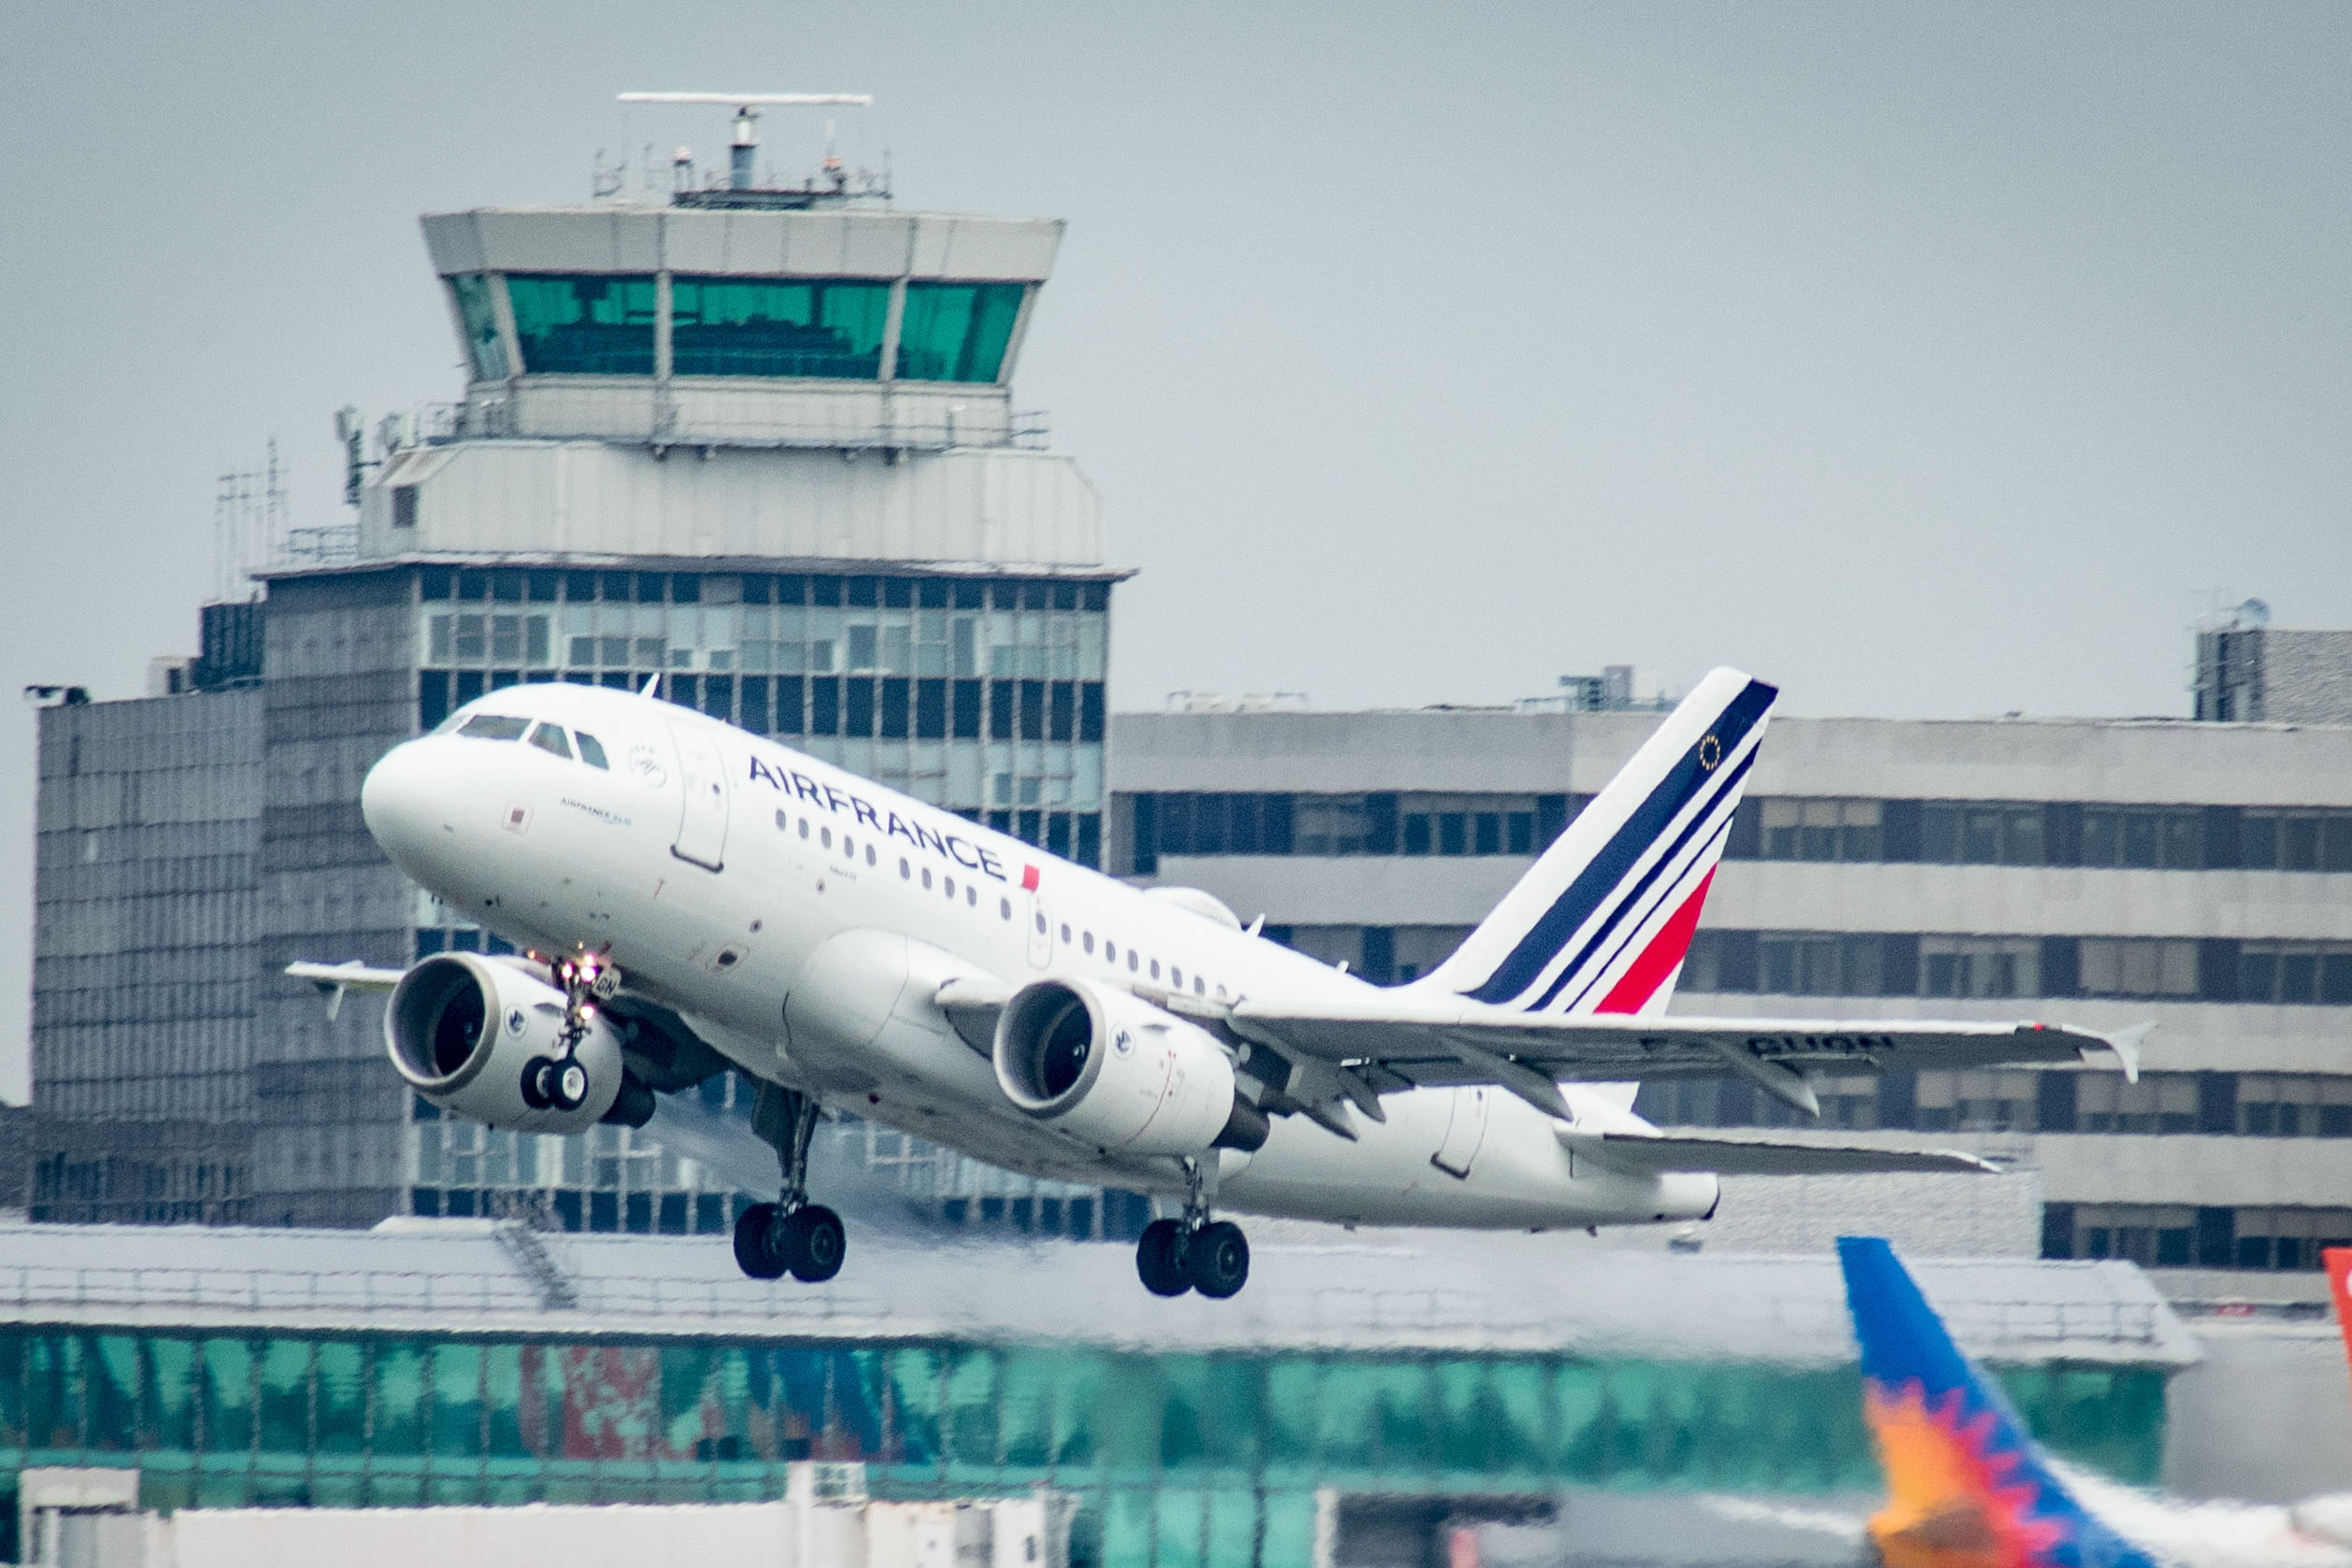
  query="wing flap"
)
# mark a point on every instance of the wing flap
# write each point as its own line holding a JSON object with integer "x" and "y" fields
{"x": 1645, "y": 1151}
{"x": 1431, "y": 1041}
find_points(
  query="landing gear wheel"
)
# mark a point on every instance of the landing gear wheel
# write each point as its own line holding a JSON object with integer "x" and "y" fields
{"x": 811, "y": 1243}
{"x": 755, "y": 1253}
{"x": 566, "y": 1084}
{"x": 1218, "y": 1261}
{"x": 534, "y": 1082}
{"x": 1161, "y": 1256}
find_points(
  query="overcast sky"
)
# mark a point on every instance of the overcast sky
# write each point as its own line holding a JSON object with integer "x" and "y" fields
{"x": 1927, "y": 359}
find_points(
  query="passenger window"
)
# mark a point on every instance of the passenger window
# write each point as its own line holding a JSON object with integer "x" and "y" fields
{"x": 783, "y": 823}
{"x": 550, "y": 738}
{"x": 848, "y": 848}
{"x": 869, "y": 854}
{"x": 1154, "y": 968}
{"x": 1176, "y": 977}
{"x": 494, "y": 726}
{"x": 824, "y": 836}
{"x": 926, "y": 878}
{"x": 1130, "y": 960}
{"x": 592, "y": 752}
{"x": 1198, "y": 990}
{"x": 971, "y": 895}
{"x": 804, "y": 827}
{"x": 905, "y": 871}
{"x": 1065, "y": 933}
{"x": 1004, "y": 909}
{"x": 951, "y": 886}
{"x": 1090, "y": 942}
{"x": 1110, "y": 950}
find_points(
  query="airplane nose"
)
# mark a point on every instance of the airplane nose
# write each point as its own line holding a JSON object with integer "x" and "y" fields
{"x": 396, "y": 803}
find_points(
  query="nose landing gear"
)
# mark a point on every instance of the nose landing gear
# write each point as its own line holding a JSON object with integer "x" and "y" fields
{"x": 560, "y": 1082}
{"x": 791, "y": 1235}
{"x": 1194, "y": 1253}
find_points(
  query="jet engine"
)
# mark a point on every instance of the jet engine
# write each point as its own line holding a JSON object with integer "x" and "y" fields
{"x": 1119, "y": 1073}
{"x": 464, "y": 1029}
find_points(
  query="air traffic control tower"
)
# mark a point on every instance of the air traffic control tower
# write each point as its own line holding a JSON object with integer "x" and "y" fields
{"x": 755, "y": 443}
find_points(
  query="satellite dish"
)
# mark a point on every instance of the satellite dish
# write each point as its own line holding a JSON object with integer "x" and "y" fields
{"x": 2254, "y": 613}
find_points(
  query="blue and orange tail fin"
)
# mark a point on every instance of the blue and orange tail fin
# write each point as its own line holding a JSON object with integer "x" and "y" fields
{"x": 1602, "y": 920}
{"x": 1967, "y": 1486}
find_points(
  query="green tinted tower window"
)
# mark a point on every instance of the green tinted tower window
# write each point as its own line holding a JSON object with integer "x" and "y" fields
{"x": 742, "y": 326}
{"x": 583, "y": 325}
{"x": 957, "y": 331}
{"x": 475, "y": 308}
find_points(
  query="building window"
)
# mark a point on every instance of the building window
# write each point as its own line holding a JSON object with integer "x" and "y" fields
{"x": 484, "y": 347}
{"x": 742, "y": 326}
{"x": 583, "y": 325}
{"x": 957, "y": 331}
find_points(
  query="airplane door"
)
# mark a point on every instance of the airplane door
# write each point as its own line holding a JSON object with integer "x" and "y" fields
{"x": 1463, "y": 1133}
{"x": 702, "y": 826}
{"x": 1040, "y": 931}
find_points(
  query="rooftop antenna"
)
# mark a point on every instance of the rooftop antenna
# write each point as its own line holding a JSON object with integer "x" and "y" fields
{"x": 746, "y": 107}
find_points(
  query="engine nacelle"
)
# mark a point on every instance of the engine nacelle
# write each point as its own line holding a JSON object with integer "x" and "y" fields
{"x": 461, "y": 1027}
{"x": 1119, "y": 1073}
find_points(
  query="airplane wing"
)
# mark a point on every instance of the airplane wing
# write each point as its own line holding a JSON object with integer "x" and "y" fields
{"x": 1392, "y": 1041}
{"x": 1737, "y": 1156}
{"x": 335, "y": 979}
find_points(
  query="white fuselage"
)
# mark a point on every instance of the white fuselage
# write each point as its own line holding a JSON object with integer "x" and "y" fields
{"x": 804, "y": 919}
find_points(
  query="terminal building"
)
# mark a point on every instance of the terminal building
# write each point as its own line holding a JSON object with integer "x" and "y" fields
{"x": 755, "y": 449}
{"x": 2097, "y": 871}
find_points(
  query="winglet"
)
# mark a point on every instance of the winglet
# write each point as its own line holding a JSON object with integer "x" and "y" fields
{"x": 333, "y": 980}
{"x": 2125, "y": 1044}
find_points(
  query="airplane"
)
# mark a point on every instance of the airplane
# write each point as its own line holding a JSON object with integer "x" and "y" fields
{"x": 688, "y": 899}
{"x": 1969, "y": 1488}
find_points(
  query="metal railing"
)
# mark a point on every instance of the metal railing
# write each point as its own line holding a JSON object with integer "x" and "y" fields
{"x": 490, "y": 418}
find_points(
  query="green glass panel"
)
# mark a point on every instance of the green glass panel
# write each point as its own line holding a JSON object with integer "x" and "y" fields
{"x": 1025, "y": 1406}
{"x": 2110, "y": 1418}
{"x": 956, "y": 332}
{"x": 1287, "y": 1534}
{"x": 338, "y": 1489}
{"x": 1521, "y": 1406}
{"x": 1180, "y": 1528}
{"x": 1466, "y": 1417}
{"x": 224, "y": 1481}
{"x": 1580, "y": 1393}
{"x": 171, "y": 1385}
{"x": 913, "y": 1378}
{"x": 225, "y": 1397}
{"x": 969, "y": 1420}
{"x": 1127, "y": 1529}
{"x": 1077, "y": 1395}
{"x": 1213, "y": 1412}
{"x": 285, "y": 1411}
{"x": 399, "y": 1412}
{"x": 576, "y": 325}
{"x": 12, "y": 1354}
{"x": 480, "y": 316}
{"x": 117, "y": 1382}
{"x": 456, "y": 1400}
{"x": 1401, "y": 1417}
{"x": 52, "y": 1391}
{"x": 342, "y": 1397}
{"x": 502, "y": 1400}
{"x": 1289, "y": 1434}
{"x": 1128, "y": 1408}
{"x": 751, "y": 327}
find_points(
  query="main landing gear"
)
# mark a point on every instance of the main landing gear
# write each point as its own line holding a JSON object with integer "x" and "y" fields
{"x": 560, "y": 1082}
{"x": 1194, "y": 1253}
{"x": 791, "y": 1235}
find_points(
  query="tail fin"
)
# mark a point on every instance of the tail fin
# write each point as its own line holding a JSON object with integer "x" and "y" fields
{"x": 1600, "y": 922}
{"x": 1966, "y": 1483}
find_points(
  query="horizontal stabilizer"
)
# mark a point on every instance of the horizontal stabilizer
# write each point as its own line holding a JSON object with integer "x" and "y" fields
{"x": 1645, "y": 1151}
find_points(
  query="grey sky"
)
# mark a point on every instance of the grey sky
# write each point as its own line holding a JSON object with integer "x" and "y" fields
{"x": 1925, "y": 359}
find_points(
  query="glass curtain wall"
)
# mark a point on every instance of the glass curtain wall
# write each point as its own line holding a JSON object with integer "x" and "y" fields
{"x": 1194, "y": 1460}
{"x": 576, "y": 324}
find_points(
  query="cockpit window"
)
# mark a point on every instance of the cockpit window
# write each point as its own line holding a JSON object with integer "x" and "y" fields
{"x": 591, "y": 751}
{"x": 550, "y": 738}
{"x": 495, "y": 726}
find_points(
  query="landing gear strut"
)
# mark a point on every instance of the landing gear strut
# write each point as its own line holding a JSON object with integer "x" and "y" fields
{"x": 791, "y": 1235}
{"x": 560, "y": 1082}
{"x": 1194, "y": 1253}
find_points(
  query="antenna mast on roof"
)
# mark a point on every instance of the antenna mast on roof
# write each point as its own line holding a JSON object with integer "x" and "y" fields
{"x": 747, "y": 138}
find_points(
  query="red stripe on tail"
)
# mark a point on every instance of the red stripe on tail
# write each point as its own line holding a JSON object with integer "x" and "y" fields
{"x": 1658, "y": 960}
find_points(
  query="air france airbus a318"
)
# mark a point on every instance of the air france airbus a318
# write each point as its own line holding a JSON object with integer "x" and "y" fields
{"x": 686, "y": 898}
